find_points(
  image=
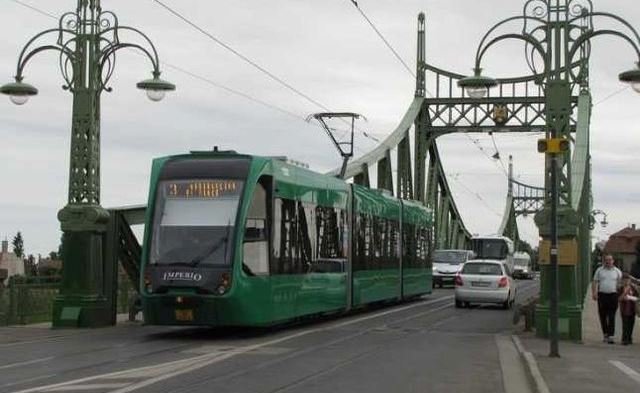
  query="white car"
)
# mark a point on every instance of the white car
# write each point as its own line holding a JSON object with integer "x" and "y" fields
{"x": 485, "y": 281}
{"x": 447, "y": 263}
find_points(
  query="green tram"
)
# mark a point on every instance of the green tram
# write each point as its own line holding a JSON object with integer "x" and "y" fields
{"x": 239, "y": 240}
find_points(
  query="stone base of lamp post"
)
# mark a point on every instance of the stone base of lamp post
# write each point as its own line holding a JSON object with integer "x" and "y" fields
{"x": 569, "y": 322}
{"x": 81, "y": 301}
{"x": 81, "y": 312}
{"x": 569, "y": 304}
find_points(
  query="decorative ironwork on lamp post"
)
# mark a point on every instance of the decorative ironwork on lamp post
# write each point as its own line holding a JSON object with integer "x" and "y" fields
{"x": 557, "y": 31}
{"x": 592, "y": 220}
{"x": 87, "y": 40}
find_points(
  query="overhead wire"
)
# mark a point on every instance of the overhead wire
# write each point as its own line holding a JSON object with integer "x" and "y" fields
{"x": 615, "y": 93}
{"x": 497, "y": 155}
{"x": 373, "y": 26}
{"x": 35, "y": 9}
{"x": 200, "y": 77}
{"x": 397, "y": 56}
{"x": 249, "y": 61}
{"x": 454, "y": 177}
{"x": 191, "y": 74}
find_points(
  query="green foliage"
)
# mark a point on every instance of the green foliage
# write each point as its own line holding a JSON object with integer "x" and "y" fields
{"x": 18, "y": 245}
{"x": 30, "y": 267}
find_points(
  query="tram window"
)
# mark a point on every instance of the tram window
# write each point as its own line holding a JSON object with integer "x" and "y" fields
{"x": 306, "y": 236}
{"x": 255, "y": 247}
{"x": 329, "y": 232}
{"x": 285, "y": 250}
{"x": 291, "y": 245}
{"x": 410, "y": 246}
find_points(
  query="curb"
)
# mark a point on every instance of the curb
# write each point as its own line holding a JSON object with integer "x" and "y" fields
{"x": 532, "y": 366}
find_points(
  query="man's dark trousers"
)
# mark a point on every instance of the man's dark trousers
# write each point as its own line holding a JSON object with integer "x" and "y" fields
{"x": 607, "y": 306}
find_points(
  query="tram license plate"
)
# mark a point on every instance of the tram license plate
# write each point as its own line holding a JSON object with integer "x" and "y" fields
{"x": 184, "y": 315}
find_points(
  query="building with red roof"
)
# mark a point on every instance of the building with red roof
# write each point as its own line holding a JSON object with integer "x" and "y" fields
{"x": 624, "y": 245}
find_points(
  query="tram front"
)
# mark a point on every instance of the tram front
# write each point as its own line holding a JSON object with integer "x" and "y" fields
{"x": 189, "y": 237}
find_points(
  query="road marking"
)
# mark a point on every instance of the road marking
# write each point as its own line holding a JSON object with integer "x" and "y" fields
{"x": 45, "y": 339}
{"x": 23, "y": 381}
{"x": 94, "y": 386}
{"x": 631, "y": 373}
{"x": 390, "y": 312}
{"x": 162, "y": 371}
{"x": 25, "y": 363}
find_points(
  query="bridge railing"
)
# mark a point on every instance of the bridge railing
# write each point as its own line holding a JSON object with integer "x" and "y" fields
{"x": 28, "y": 300}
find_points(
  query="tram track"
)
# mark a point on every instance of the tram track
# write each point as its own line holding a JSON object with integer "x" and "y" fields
{"x": 221, "y": 346}
{"x": 273, "y": 362}
{"x": 214, "y": 358}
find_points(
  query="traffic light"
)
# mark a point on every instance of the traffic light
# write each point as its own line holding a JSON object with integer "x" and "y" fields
{"x": 553, "y": 145}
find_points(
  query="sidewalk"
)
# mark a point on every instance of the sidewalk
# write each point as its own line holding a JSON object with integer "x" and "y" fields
{"x": 592, "y": 366}
{"x": 42, "y": 331}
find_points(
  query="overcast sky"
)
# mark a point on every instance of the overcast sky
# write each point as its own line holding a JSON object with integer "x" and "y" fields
{"x": 326, "y": 50}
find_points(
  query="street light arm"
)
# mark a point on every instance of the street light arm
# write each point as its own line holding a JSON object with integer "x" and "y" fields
{"x": 26, "y": 54}
{"x": 612, "y": 16}
{"x": 523, "y": 37}
{"x": 153, "y": 54}
{"x": 503, "y": 22}
{"x": 591, "y": 34}
{"x": 107, "y": 54}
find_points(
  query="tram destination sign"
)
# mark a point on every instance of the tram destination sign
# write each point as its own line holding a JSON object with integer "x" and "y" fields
{"x": 202, "y": 189}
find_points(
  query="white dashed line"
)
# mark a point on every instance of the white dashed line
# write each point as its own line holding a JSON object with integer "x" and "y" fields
{"x": 631, "y": 373}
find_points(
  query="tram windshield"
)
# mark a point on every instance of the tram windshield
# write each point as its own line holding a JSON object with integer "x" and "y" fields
{"x": 193, "y": 222}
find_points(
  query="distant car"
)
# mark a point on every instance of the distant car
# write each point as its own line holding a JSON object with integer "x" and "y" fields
{"x": 485, "y": 282}
{"x": 446, "y": 263}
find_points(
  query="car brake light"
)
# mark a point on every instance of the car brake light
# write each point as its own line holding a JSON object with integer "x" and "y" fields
{"x": 504, "y": 281}
{"x": 458, "y": 281}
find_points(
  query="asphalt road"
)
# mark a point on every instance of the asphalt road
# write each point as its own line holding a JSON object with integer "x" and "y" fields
{"x": 422, "y": 346}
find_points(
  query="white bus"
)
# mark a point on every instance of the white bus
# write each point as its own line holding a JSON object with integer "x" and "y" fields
{"x": 495, "y": 248}
{"x": 522, "y": 265}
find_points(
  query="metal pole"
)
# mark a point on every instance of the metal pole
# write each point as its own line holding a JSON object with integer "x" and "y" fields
{"x": 554, "y": 288}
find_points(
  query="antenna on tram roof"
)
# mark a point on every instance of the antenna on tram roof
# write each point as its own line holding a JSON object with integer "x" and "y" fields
{"x": 344, "y": 145}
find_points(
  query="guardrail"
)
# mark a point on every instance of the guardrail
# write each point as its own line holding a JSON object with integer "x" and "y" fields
{"x": 27, "y": 300}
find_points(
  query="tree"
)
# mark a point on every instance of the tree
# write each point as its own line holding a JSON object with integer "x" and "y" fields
{"x": 18, "y": 245}
{"x": 30, "y": 267}
{"x": 53, "y": 255}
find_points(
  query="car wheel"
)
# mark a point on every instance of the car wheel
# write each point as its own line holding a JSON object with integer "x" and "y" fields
{"x": 507, "y": 303}
{"x": 440, "y": 284}
{"x": 458, "y": 304}
{"x": 467, "y": 304}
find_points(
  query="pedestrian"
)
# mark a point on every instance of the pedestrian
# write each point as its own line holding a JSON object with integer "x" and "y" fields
{"x": 604, "y": 290}
{"x": 628, "y": 296}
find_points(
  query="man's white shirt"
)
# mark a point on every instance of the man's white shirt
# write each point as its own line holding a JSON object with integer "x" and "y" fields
{"x": 608, "y": 279}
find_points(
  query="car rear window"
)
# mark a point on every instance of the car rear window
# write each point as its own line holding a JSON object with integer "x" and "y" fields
{"x": 451, "y": 257}
{"x": 484, "y": 269}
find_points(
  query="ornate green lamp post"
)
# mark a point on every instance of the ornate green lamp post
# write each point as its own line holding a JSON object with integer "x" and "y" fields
{"x": 87, "y": 41}
{"x": 557, "y": 31}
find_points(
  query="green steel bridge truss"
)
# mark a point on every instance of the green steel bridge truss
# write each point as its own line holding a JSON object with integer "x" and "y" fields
{"x": 407, "y": 162}
{"x": 518, "y": 105}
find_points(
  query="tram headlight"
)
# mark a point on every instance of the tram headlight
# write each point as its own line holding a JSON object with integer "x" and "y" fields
{"x": 147, "y": 284}
{"x": 224, "y": 284}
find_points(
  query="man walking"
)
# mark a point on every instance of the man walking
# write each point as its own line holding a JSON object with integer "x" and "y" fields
{"x": 604, "y": 290}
